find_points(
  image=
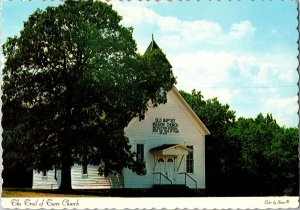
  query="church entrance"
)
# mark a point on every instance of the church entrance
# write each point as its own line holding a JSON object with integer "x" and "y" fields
{"x": 167, "y": 163}
{"x": 165, "y": 170}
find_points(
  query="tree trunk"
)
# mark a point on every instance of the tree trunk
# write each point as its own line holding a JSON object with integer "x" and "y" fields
{"x": 66, "y": 182}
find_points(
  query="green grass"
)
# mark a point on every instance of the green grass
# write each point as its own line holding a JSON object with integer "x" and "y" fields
{"x": 26, "y": 192}
{"x": 21, "y": 192}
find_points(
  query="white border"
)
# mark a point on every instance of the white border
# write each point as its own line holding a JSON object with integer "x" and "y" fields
{"x": 146, "y": 203}
{"x": 150, "y": 203}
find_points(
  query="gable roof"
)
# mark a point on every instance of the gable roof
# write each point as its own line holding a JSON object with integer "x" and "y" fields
{"x": 191, "y": 111}
{"x": 162, "y": 147}
{"x": 168, "y": 146}
{"x": 170, "y": 149}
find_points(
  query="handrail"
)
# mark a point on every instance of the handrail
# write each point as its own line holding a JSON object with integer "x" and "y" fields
{"x": 186, "y": 174}
{"x": 161, "y": 174}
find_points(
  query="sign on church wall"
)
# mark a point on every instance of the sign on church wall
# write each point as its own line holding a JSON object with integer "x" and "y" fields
{"x": 165, "y": 126}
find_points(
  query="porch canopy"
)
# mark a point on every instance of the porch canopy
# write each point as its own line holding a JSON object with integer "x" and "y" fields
{"x": 170, "y": 150}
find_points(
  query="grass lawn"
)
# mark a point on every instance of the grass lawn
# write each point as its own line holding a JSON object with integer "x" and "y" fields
{"x": 27, "y": 192}
{"x": 15, "y": 192}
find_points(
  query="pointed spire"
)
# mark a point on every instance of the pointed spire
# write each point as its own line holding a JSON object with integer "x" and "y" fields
{"x": 152, "y": 45}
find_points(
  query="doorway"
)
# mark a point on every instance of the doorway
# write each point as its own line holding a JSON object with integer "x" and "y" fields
{"x": 167, "y": 167}
{"x": 171, "y": 168}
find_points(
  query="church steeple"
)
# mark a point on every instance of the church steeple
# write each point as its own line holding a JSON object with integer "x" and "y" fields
{"x": 153, "y": 46}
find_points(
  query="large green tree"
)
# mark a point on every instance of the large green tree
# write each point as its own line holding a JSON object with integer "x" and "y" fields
{"x": 246, "y": 157}
{"x": 269, "y": 156}
{"x": 72, "y": 81}
{"x": 220, "y": 152}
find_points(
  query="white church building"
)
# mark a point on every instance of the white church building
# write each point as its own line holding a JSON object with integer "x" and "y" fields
{"x": 171, "y": 141}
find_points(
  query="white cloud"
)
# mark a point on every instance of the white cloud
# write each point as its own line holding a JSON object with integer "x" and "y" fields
{"x": 286, "y": 65}
{"x": 240, "y": 30}
{"x": 245, "y": 64}
{"x": 192, "y": 32}
{"x": 169, "y": 40}
{"x": 283, "y": 110}
{"x": 268, "y": 69}
{"x": 216, "y": 68}
{"x": 134, "y": 13}
{"x": 189, "y": 32}
{"x": 204, "y": 71}
{"x": 290, "y": 104}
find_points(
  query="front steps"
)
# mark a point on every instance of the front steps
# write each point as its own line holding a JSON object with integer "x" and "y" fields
{"x": 170, "y": 186}
{"x": 174, "y": 190}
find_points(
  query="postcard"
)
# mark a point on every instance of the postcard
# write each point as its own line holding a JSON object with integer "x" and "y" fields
{"x": 149, "y": 104}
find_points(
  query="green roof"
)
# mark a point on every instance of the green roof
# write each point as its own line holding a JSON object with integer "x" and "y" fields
{"x": 162, "y": 147}
{"x": 154, "y": 46}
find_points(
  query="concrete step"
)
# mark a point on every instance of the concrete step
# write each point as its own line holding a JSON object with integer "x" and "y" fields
{"x": 173, "y": 190}
{"x": 170, "y": 186}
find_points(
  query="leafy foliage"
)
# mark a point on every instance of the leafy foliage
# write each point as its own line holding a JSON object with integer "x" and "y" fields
{"x": 71, "y": 85}
{"x": 218, "y": 118}
{"x": 269, "y": 155}
{"x": 246, "y": 156}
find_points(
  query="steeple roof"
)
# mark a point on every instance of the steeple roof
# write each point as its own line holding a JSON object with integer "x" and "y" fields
{"x": 154, "y": 46}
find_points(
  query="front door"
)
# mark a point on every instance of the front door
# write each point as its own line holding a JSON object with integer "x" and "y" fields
{"x": 171, "y": 168}
{"x": 160, "y": 171}
{"x": 167, "y": 167}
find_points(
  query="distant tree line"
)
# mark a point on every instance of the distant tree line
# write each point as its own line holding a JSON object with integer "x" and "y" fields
{"x": 245, "y": 156}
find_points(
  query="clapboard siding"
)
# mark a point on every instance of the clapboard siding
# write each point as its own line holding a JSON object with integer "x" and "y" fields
{"x": 46, "y": 182}
{"x": 79, "y": 181}
{"x": 190, "y": 133}
{"x": 92, "y": 180}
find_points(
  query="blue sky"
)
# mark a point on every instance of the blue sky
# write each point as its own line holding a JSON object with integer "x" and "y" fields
{"x": 242, "y": 52}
